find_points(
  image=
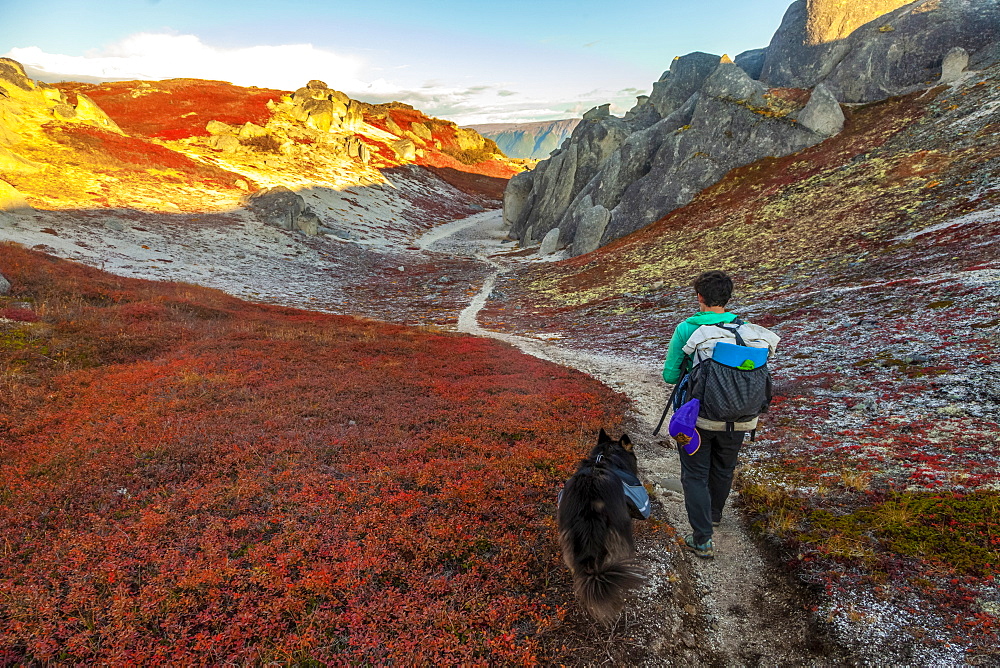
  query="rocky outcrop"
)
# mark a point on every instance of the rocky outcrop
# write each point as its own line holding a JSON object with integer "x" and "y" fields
{"x": 866, "y": 51}
{"x": 283, "y": 208}
{"x": 4, "y": 285}
{"x": 642, "y": 170}
{"x": 752, "y": 62}
{"x": 326, "y": 110}
{"x": 88, "y": 112}
{"x": 556, "y": 182}
{"x": 685, "y": 76}
{"x": 707, "y": 115}
{"x": 12, "y": 204}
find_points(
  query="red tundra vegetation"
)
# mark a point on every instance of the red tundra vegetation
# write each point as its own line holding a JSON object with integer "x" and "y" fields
{"x": 176, "y": 108}
{"x": 187, "y": 477}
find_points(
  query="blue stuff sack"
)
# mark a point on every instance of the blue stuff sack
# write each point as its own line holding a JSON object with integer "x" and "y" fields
{"x": 736, "y": 356}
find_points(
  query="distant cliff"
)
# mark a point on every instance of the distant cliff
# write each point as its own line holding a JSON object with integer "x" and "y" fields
{"x": 528, "y": 140}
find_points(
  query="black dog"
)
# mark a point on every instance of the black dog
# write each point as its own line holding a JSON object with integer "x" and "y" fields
{"x": 595, "y": 529}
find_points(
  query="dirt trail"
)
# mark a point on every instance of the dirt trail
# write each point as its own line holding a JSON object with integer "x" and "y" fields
{"x": 745, "y": 612}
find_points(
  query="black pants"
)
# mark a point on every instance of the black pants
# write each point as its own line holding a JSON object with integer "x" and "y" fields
{"x": 707, "y": 478}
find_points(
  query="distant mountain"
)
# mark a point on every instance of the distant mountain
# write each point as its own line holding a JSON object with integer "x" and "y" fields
{"x": 528, "y": 140}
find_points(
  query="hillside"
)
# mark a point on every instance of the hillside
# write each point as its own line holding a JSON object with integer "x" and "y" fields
{"x": 875, "y": 256}
{"x": 191, "y": 145}
{"x": 528, "y": 140}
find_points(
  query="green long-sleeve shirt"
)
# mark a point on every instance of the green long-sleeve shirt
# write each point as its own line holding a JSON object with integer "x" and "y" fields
{"x": 683, "y": 331}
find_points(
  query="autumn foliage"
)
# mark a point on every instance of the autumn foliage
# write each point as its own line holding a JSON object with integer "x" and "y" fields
{"x": 177, "y": 108}
{"x": 185, "y": 477}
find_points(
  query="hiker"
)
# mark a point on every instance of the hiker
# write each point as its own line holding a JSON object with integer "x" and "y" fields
{"x": 708, "y": 447}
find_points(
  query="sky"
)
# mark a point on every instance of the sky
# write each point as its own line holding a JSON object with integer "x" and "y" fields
{"x": 470, "y": 62}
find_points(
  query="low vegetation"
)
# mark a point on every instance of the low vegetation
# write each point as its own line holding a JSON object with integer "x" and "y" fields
{"x": 190, "y": 478}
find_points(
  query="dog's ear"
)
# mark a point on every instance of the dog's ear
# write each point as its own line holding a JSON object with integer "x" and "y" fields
{"x": 626, "y": 443}
{"x": 603, "y": 437}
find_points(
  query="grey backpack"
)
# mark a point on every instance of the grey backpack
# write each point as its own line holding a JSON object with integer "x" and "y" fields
{"x": 730, "y": 394}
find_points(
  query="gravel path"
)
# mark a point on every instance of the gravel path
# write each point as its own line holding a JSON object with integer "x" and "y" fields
{"x": 748, "y": 612}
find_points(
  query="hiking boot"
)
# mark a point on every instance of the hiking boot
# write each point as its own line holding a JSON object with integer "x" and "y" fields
{"x": 704, "y": 550}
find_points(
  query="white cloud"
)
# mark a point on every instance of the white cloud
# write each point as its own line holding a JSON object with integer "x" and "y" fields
{"x": 153, "y": 56}
{"x": 165, "y": 56}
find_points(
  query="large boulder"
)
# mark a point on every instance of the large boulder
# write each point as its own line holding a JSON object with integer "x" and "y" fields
{"x": 283, "y": 208}
{"x": 516, "y": 195}
{"x": 866, "y": 51}
{"x": 822, "y": 114}
{"x": 955, "y": 62}
{"x": 591, "y": 229}
{"x": 12, "y": 204}
{"x": 752, "y": 62}
{"x": 324, "y": 109}
{"x": 550, "y": 242}
{"x": 4, "y": 285}
{"x": 685, "y": 76}
{"x": 88, "y": 111}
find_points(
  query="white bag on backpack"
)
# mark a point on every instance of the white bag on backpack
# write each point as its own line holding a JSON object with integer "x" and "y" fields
{"x": 701, "y": 343}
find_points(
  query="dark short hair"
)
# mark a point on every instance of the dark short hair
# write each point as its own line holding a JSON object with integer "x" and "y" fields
{"x": 715, "y": 288}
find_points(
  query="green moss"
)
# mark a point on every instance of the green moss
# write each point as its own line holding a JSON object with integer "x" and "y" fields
{"x": 961, "y": 531}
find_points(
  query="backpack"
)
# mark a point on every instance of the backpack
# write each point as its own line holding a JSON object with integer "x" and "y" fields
{"x": 733, "y": 382}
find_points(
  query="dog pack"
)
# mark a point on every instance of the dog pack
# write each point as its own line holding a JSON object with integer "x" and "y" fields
{"x": 729, "y": 376}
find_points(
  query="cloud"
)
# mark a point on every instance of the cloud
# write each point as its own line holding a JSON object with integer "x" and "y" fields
{"x": 590, "y": 44}
{"x": 166, "y": 56}
{"x": 153, "y": 56}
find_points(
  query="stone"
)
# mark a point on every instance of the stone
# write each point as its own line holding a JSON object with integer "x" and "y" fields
{"x": 558, "y": 180}
{"x": 356, "y": 148}
{"x": 64, "y": 112}
{"x": 590, "y": 230}
{"x": 822, "y": 114}
{"x": 752, "y": 62}
{"x": 307, "y": 223}
{"x": 597, "y": 113}
{"x": 278, "y": 207}
{"x": 219, "y": 128}
{"x": 12, "y": 72}
{"x": 954, "y": 64}
{"x": 729, "y": 82}
{"x": 51, "y": 94}
{"x": 316, "y": 84}
{"x": 516, "y": 195}
{"x": 87, "y": 110}
{"x": 405, "y": 149}
{"x": 549, "y": 242}
{"x": 353, "y": 118}
{"x": 12, "y": 202}
{"x": 251, "y": 130}
{"x": 4, "y": 285}
{"x": 421, "y": 131}
{"x": 868, "y": 51}
{"x": 225, "y": 143}
{"x": 685, "y": 77}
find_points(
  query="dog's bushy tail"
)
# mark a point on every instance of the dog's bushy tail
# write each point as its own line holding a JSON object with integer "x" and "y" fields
{"x": 602, "y": 592}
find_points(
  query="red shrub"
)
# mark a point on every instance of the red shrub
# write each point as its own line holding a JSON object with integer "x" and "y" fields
{"x": 254, "y": 484}
{"x": 177, "y": 108}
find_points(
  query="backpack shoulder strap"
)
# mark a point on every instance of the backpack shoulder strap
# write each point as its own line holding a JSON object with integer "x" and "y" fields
{"x": 735, "y": 330}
